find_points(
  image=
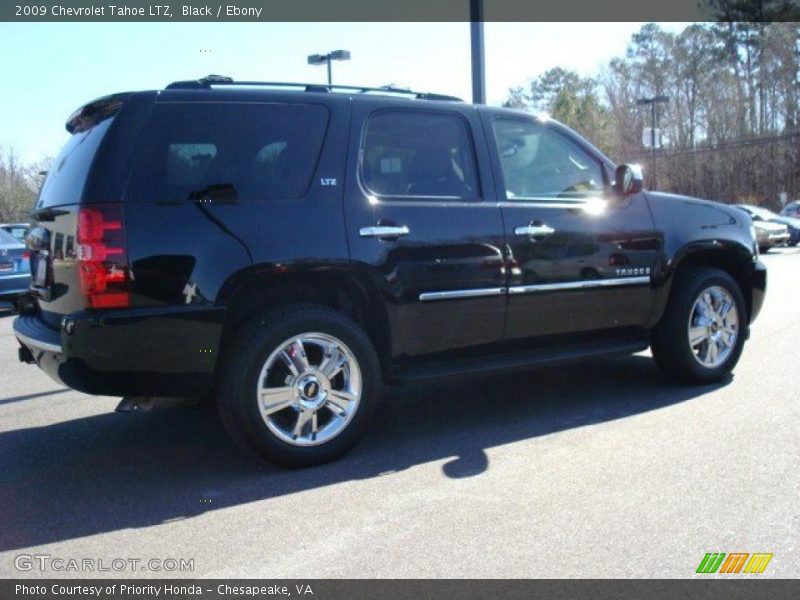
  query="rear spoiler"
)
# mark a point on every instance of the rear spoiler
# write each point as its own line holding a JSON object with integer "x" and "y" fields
{"x": 98, "y": 110}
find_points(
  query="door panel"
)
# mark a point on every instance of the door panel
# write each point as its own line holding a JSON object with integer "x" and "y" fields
{"x": 578, "y": 260}
{"x": 420, "y": 223}
{"x": 591, "y": 271}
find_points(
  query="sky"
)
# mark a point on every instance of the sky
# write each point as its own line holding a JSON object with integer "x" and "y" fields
{"x": 53, "y": 68}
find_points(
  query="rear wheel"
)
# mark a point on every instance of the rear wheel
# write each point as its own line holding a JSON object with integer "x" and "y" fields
{"x": 701, "y": 335}
{"x": 299, "y": 385}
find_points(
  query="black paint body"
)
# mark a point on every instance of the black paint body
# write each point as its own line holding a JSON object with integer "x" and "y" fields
{"x": 192, "y": 262}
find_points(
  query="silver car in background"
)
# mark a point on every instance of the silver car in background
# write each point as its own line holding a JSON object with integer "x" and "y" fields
{"x": 768, "y": 233}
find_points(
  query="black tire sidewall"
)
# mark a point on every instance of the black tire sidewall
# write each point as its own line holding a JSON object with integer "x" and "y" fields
{"x": 692, "y": 286}
{"x": 238, "y": 390}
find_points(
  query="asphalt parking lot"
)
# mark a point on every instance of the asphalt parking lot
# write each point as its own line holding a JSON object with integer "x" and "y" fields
{"x": 596, "y": 470}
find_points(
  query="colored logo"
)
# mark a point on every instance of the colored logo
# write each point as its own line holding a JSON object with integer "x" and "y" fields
{"x": 736, "y": 562}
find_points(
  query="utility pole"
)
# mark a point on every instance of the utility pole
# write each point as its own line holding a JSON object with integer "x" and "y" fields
{"x": 653, "y": 126}
{"x": 478, "y": 59}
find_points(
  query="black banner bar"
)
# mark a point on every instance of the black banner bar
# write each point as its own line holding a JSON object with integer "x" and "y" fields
{"x": 359, "y": 589}
{"x": 361, "y": 10}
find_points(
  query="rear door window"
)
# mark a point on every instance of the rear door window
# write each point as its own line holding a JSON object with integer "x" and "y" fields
{"x": 415, "y": 154}
{"x": 258, "y": 151}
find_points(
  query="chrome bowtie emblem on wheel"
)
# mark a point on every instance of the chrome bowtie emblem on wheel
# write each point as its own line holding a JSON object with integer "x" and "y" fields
{"x": 713, "y": 327}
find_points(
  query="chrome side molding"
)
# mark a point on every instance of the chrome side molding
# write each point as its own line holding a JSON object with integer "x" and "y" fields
{"x": 529, "y": 289}
{"x": 448, "y": 295}
{"x": 578, "y": 285}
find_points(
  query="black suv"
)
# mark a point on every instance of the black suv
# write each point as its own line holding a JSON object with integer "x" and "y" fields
{"x": 295, "y": 249}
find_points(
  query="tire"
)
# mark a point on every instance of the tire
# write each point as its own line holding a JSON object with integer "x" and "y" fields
{"x": 764, "y": 249}
{"x": 672, "y": 350}
{"x": 254, "y": 363}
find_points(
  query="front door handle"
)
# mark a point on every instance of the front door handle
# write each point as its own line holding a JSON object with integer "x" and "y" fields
{"x": 534, "y": 230}
{"x": 384, "y": 231}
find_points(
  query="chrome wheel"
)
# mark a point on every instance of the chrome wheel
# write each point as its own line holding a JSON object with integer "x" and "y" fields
{"x": 713, "y": 327}
{"x": 309, "y": 389}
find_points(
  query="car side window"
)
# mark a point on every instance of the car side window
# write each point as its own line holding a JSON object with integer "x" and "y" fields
{"x": 539, "y": 163}
{"x": 258, "y": 151}
{"x": 411, "y": 154}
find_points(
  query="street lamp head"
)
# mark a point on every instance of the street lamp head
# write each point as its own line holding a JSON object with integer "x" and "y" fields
{"x": 321, "y": 59}
{"x": 340, "y": 55}
{"x": 661, "y": 99}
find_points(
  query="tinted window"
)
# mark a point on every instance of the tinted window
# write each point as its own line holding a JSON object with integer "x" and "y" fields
{"x": 67, "y": 175}
{"x": 264, "y": 151}
{"x": 419, "y": 154}
{"x": 538, "y": 162}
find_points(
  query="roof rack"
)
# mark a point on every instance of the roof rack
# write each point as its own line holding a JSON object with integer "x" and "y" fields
{"x": 220, "y": 80}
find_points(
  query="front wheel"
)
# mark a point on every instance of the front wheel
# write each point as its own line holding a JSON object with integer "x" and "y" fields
{"x": 299, "y": 385}
{"x": 701, "y": 335}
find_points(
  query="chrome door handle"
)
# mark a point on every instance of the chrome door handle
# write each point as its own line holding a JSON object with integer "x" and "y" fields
{"x": 534, "y": 230}
{"x": 384, "y": 231}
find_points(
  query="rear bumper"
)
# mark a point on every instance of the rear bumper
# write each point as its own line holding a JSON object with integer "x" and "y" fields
{"x": 133, "y": 352}
{"x": 759, "y": 289}
{"x": 779, "y": 238}
{"x": 14, "y": 285}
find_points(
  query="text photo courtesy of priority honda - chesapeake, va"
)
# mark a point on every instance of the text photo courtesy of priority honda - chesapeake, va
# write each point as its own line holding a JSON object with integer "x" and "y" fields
{"x": 365, "y": 306}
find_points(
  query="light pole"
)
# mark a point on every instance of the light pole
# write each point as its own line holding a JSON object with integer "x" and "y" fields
{"x": 476, "y": 44}
{"x": 319, "y": 59}
{"x": 653, "y": 121}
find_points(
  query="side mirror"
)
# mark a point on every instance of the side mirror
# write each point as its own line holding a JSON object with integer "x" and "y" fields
{"x": 628, "y": 180}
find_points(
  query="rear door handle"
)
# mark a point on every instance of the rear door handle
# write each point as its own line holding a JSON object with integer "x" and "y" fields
{"x": 384, "y": 231}
{"x": 534, "y": 230}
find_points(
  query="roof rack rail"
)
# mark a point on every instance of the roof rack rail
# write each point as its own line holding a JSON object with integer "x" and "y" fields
{"x": 220, "y": 80}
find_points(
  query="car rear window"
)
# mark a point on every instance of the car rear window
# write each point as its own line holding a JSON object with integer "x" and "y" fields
{"x": 18, "y": 231}
{"x": 67, "y": 175}
{"x": 6, "y": 239}
{"x": 253, "y": 151}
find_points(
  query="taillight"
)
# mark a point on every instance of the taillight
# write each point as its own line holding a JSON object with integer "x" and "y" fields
{"x": 102, "y": 256}
{"x": 26, "y": 254}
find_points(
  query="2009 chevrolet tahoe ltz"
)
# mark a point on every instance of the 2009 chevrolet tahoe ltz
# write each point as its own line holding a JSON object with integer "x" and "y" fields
{"x": 296, "y": 249}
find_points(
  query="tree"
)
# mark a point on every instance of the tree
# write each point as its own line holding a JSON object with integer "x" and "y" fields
{"x": 19, "y": 185}
{"x": 731, "y": 129}
{"x": 569, "y": 98}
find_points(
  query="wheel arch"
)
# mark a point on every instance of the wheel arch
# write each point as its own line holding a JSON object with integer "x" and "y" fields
{"x": 733, "y": 258}
{"x": 258, "y": 290}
